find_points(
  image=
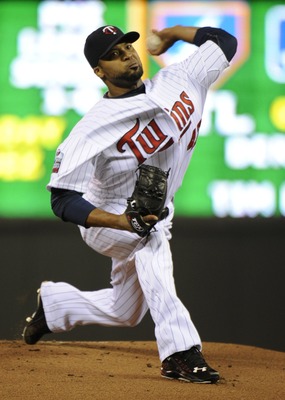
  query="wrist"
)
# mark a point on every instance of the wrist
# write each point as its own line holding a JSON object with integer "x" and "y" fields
{"x": 103, "y": 219}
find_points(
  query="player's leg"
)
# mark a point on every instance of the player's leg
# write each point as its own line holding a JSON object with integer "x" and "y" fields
{"x": 124, "y": 304}
{"x": 174, "y": 329}
{"x": 178, "y": 341}
{"x": 62, "y": 306}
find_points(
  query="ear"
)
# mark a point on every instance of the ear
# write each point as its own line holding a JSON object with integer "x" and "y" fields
{"x": 99, "y": 72}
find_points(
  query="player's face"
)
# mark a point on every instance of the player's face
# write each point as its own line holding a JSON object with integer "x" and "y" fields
{"x": 121, "y": 66}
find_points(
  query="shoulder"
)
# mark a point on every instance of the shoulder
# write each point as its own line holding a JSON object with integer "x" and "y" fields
{"x": 210, "y": 48}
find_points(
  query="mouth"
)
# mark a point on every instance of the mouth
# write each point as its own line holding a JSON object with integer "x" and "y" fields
{"x": 134, "y": 66}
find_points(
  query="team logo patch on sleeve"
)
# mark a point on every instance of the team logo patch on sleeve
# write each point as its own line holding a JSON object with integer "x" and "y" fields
{"x": 57, "y": 161}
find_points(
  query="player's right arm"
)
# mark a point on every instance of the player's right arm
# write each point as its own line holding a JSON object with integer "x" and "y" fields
{"x": 197, "y": 36}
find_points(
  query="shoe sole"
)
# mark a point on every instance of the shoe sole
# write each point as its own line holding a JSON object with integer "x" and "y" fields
{"x": 29, "y": 319}
{"x": 181, "y": 378}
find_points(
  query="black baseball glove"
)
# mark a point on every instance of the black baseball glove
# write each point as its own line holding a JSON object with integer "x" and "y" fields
{"x": 148, "y": 198}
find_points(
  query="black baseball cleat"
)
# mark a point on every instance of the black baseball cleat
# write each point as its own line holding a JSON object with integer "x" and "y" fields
{"x": 36, "y": 324}
{"x": 189, "y": 366}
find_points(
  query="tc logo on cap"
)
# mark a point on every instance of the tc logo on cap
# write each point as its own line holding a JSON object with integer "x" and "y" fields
{"x": 110, "y": 30}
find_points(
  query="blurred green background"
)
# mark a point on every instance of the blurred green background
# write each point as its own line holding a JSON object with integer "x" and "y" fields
{"x": 238, "y": 165}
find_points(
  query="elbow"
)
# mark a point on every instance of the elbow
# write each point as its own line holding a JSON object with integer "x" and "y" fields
{"x": 56, "y": 213}
{"x": 233, "y": 43}
{"x": 55, "y": 206}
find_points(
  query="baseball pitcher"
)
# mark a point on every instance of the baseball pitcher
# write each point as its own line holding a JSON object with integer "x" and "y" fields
{"x": 116, "y": 175}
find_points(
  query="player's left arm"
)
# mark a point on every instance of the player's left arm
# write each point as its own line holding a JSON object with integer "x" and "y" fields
{"x": 70, "y": 206}
{"x": 197, "y": 36}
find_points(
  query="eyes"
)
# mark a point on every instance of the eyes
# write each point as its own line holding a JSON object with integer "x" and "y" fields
{"x": 117, "y": 52}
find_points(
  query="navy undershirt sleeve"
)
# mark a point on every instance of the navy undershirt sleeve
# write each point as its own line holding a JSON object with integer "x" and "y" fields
{"x": 70, "y": 206}
{"x": 226, "y": 41}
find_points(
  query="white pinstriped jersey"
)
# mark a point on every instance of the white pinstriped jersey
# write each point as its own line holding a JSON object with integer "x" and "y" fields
{"x": 99, "y": 158}
{"x": 160, "y": 127}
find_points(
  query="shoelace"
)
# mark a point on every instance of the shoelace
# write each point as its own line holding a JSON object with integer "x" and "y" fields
{"x": 195, "y": 357}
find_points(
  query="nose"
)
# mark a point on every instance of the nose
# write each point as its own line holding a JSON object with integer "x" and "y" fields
{"x": 127, "y": 54}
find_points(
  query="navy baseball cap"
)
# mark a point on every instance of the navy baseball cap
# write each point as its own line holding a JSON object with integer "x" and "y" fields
{"x": 99, "y": 42}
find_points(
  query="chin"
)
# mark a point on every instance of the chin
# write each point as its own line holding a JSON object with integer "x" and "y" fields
{"x": 137, "y": 75}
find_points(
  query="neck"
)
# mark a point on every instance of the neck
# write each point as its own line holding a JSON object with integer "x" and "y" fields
{"x": 115, "y": 91}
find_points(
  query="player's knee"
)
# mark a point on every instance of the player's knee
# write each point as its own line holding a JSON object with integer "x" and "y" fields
{"x": 130, "y": 323}
{"x": 132, "y": 320}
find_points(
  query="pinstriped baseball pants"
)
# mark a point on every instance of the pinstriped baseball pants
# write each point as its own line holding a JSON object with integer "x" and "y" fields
{"x": 141, "y": 278}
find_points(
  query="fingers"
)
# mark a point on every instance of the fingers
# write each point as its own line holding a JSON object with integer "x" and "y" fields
{"x": 150, "y": 218}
